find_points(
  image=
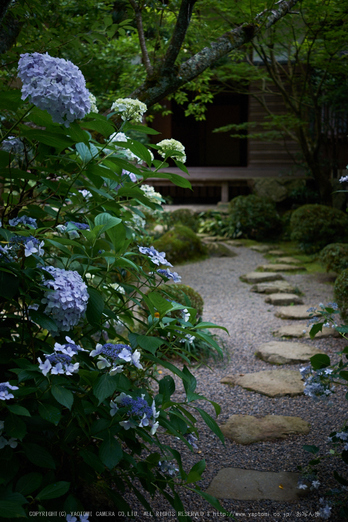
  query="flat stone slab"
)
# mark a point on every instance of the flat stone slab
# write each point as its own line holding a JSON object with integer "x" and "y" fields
{"x": 295, "y": 312}
{"x": 288, "y": 261}
{"x": 247, "y": 429}
{"x": 282, "y": 352}
{"x": 283, "y": 299}
{"x": 301, "y": 330}
{"x": 277, "y": 253}
{"x": 260, "y": 248}
{"x": 273, "y": 287}
{"x": 245, "y": 484}
{"x": 273, "y": 383}
{"x": 260, "y": 277}
{"x": 280, "y": 267}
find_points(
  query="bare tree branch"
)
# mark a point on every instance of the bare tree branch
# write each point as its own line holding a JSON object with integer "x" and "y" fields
{"x": 139, "y": 21}
{"x": 165, "y": 82}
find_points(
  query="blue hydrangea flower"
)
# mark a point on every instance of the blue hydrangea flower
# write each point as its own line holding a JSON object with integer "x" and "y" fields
{"x": 80, "y": 226}
{"x": 139, "y": 408}
{"x": 167, "y": 273}
{"x": 30, "y": 244}
{"x": 158, "y": 258}
{"x": 23, "y": 220}
{"x": 67, "y": 298}
{"x": 61, "y": 362}
{"x": 114, "y": 356}
{"x": 54, "y": 85}
{"x": 12, "y": 144}
{"x": 4, "y": 394}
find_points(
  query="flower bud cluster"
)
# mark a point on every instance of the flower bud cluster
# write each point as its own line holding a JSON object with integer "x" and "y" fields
{"x": 23, "y": 220}
{"x": 317, "y": 383}
{"x": 4, "y": 394}
{"x": 67, "y": 297}
{"x": 30, "y": 244}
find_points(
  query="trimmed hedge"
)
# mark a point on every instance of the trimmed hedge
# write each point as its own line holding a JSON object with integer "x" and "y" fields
{"x": 180, "y": 244}
{"x": 254, "y": 218}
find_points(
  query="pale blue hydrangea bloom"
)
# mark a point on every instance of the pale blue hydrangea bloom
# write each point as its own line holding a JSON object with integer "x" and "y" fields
{"x": 168, "y": 467}
{"x": 129, "y": 109}
{"x": 158, "y": 258}
{"x": 23, "y": 220}
{"x": 170, "y": 275}
{"x": 54, "y": 85}
{"x": 30, "y": 244}
{"x": 67, "y": 298}
{"x": 85, "y": 193}
{"x": 61, "y": 362}
{"x": 325, "y": 511}
{"x": 343, "y": 179}
{"x": 12, "y": 144}
{"x": 114, "y": 356}
{"x": 82, "y": 518}
{"x": 4, "y": 394}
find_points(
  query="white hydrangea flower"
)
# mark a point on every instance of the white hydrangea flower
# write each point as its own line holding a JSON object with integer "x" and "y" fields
{"x": 172, "y": 145}
{"x": 130, "y": 110}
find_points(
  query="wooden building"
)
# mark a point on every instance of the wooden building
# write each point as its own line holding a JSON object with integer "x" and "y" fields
{"x": 221, "y": 167}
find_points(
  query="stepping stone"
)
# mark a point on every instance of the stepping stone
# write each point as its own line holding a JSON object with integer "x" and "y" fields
{"x": 283, "y": 299}
{"x": 219, "y": 250}
{"x": 246, "y": 429}
{"x": 295, "y": 312}
{"x": 288, "y": 261}
{"x": 260, "y": 248}
{"x": 280, "y": 352}
{"x": 276, "y": 253}
{"x": 260, "y": 277}
{"x": 273, "y": 287}
{"x": 280, "y": 267}
{"x": 301, "y": 330}
{"x": 245, "y": 484}
{"x": 273, "y": 383}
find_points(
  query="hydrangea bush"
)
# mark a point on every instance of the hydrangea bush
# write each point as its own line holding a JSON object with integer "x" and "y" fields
{"x": 321, "y": 379}
{"x": 83, "y": 406}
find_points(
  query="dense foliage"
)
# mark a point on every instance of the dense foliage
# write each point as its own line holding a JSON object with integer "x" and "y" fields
{"x": 254, "y": 218}
{"x": 80, "y": 417}
{"x": 335, "y": 257}
{"x": 314, "y": 226}
{"x": 181, "y": 244}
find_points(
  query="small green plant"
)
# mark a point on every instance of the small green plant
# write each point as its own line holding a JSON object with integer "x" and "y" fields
{"x": 314, "y": 226}
{"x": 254, "y": 218}
{"x": 186, "y": 217}
{"x": 335, "y": 257}
{"x": 184, "y": 295}
{"x": 181, "y": 244}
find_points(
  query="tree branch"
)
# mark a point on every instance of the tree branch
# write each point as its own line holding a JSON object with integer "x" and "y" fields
{"x": 140, "y": 28}
{"x": 179, "y": 33}
{"x": 166, "y": 82}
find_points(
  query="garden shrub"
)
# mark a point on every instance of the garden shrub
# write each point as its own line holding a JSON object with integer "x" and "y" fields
{"x": 180, "y": 244}
{"x": 341, "y": 293}
{"x": 185, "y": 295}
{"x": 254, "y": 218}
{"x": 314, "y": 227}
{"x": 335, "y": 257}
{"x": 79, "y": 415}
{"x": 186, "y": 217}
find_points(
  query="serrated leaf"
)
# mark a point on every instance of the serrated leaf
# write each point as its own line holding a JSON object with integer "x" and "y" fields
{"x": 63, "y": 396}
{"x": 44, "y": 321}
{"x": 50, "y": 413}
{"x": 166, "y": 387}
{"x": 162, "y": 305}
{"x": 56, "y": 490}
{"x": 196, "y": 471}
{"x": 311, "y": 449}
{"x": 56, "y": 140}
{"x": 92, "y": 460}
{"x": 189, "y": 384}
{"x": 150, "y": 344}
{"x": 318, "y": 327}
{"x": 86, "y": 152}
{"x": 10, "y": 509}
{"x": 103, "y": 126}
{"x": 29, "y": 483}
{"x": 18, "y": 410}
{"x": 104, "y": 387}
{"x": 95, "y": 305}
{"x": 38, "y": 455}
{"x": 110, "y": 451}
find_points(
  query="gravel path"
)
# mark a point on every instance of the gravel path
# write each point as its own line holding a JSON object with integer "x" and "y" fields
{"x": 250, "y": 321}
